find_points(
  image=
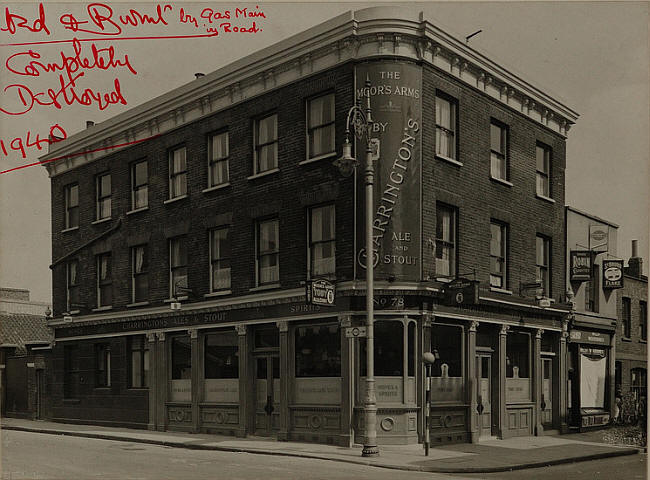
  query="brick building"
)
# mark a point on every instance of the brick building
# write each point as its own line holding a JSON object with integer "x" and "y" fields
{"x": 24, "y": 345}
{"x": 632, "y": 332}
{"x": 236, "y": 204}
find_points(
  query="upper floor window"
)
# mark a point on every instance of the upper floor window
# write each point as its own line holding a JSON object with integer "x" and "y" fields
{"x": 72, "y": 285}
{"x": 543, "y": 247}
{"x": 220, "y": 259}
{"x": 139, "y": 274}
{"x": 446, "y": 246}
{"x": 72, "y": 205}
{"x": 139, "y": 185}
{"x": 627, "y": 317}
{"x": 102, "y": 365}
{"x": 266, "y": 143}
{"x": 498, "y": 259}
{"x": 322, "y": 241}
{"x": 498, "y": 150}
{"x": 218, "y": 151}
{"x": 320, "y": 126}
{"x": 643, "y": 320}
{"x": 543, "y": 154}
{"x": 177, "y": 266}
{"x": 177, "y": 172}
{"x": 268, "y": 252}
{"x": 446, "y": 109}
{"x": 103, "y": 189}
{"x": 104, "y": 280}
{"x": 138, "y": 362}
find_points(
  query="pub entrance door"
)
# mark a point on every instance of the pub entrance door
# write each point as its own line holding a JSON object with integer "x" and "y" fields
{"x": 267, "y": 394}
{"x": 484, "y": 392}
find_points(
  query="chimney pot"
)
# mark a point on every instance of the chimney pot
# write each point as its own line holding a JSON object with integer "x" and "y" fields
{"x": 89, "y": 123}
{"x": 199, "y": 74}
{"x": 635, "y": 248}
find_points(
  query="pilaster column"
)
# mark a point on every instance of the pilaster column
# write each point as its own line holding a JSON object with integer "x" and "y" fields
{"x": 471, "y": 381}
{"x": 563, "y": 381}
{"x": 346, "y": 437}
{"x": 153, "y": 379}
{"x": 537, "y": 382}
{"x": 246, "y": 400}
{"x": 196, "y": 376}
{"x": 162, "y": 375}
{"x": 503, "y": 427}
{"x": 283, "y": 434}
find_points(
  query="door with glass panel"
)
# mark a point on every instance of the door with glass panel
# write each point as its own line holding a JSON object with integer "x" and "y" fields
{"x": 546, "y": 405}
{"x": 484, "y": 394}
{"x": 267, "y": 394}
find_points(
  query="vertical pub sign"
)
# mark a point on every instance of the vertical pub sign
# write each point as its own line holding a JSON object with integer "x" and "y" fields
{"x": 612, "y": 274}
{"x": 580, "y": 266}
{"x": 395, "y": 98}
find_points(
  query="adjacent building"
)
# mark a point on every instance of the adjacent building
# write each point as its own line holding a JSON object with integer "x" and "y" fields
{"x": 24, "y": 343}
{"x": 632, "y": 333}
{"x": 181, "y": 263}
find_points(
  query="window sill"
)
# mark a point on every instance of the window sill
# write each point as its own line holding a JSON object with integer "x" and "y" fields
{"x": 219, "y": 293}
{"x": 71, "y": 401}
{"x": 501, "y": 181}
{"x": 270, "y": 286}
{"x": 141, "y": 209}
{"x": 216, "y": 187}
{"x": 136, "y": 389}
{"x": 626, "y": 339}
{"x": 102, "y": 387}
{"x": 102, "y": 309}
{"x": 74, "y": 312}
{"x": 137, "y": 304}
{"x": 449, "y": 160}
{"x": 307, "y": 161}
{"x": 175, "y": 199}
{"x": 179, "y": 299}
{"x": 642, "y": 341}
{"x": 71, "y": 229}
{"x": 263, "y": 174}
{"x": 501, "y": 290}
{"x": 101, "y": 220}
{"x": 545, "y": 198}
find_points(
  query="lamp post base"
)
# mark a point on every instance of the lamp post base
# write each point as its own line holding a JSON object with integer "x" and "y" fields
{"x": 370, "y": 451}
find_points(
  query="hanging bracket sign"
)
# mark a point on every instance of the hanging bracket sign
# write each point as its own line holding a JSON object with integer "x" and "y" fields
{"x": 320, "y": 292}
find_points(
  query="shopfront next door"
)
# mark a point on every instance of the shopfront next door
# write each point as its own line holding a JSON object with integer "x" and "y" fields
{"x": 267, "y": 394}
{"x": 484, "y": 392}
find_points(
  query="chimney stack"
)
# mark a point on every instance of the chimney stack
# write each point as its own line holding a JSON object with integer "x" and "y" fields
{"x": 635, "y": 263}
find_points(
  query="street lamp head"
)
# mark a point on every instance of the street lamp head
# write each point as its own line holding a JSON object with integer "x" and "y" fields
{"x": 429, "y": 358}
{"x": 347, "y": 163}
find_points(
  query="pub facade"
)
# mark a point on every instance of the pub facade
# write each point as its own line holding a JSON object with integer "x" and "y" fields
{"x": 182, "y": 263}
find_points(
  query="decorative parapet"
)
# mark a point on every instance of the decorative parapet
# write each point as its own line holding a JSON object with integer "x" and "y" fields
{"x": 352, "y": 36}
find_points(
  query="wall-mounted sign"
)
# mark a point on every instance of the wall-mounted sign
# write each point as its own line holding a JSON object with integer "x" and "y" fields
{"x": 612, "y": 274}
{"x": 320, "y": 292}
{"x": 356, "y": 332}
{"x": 460, "y": 291}
{"x": 580, "y": 266}
{"x": 598, "y": 237}
{"x": 594, "y": 338}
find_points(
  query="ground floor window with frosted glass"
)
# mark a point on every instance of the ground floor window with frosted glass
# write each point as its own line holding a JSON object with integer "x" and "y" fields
{"x": 318, "y": 364}
{"x": 447, "y": 372}
{"x": 181, "y": 369}
{"x": 221, "y": 367}
{"x": 518, "y": 376}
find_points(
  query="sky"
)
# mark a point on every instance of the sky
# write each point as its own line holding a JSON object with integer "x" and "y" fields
{"x": 592, "y": 56}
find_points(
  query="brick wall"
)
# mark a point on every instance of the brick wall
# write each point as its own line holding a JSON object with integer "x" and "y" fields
{"x": 631, "y": 352}
{"x": 14, "y": 294}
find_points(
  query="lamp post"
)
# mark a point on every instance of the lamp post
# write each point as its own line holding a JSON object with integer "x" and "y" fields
{"x": 362, "y": 123}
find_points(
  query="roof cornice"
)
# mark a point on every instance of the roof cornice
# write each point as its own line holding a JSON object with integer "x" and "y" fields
{"x": 353, "y": 36}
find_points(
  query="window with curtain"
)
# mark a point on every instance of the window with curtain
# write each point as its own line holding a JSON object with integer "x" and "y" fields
{"x": 140, "y": 273}
{"x": 318, "y": 351}
{"x": 218, "y": 151}
{"x": 498, "y": 151}
{"x": 72, "y": 284}
{"x": 445, "y": 126}
{"x": 322, "y": 241}
{"x": 177, "y": 172}
{"x": 446, "y": 246}
{"x": 139, "y": 185}
{"x": 543, "y": 154}
{"x": 498, "y": 260}
{"x": 71, "y": 205}
{"x": 320, "y": 126}
{"x": 138, "y": 362}
{"x": 220, "y": 258}
{"x": 593, "y": 377}
{"x": 268, "y": 252}
{"x": 177, "y": 266}
{"x": 104, "y": 280}
{"x": 266, "y": 143}
{"x": 542, "y": 263}
{"x": 103, "y": 193}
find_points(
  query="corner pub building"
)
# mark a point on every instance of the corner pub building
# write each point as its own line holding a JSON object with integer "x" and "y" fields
{"x": 236, "y": 204}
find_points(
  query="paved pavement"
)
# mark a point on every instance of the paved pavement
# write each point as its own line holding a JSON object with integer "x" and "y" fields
{"x": 490, "y": 456}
